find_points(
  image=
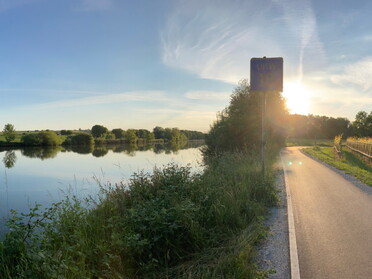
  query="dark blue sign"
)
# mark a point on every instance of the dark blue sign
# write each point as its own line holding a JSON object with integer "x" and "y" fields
{"x": 267, "y": 74}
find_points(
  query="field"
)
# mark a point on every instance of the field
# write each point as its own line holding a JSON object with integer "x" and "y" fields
{"x": 350, "y": 163}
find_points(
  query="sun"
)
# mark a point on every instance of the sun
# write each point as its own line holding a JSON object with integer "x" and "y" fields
{"x": 297, "y": 98}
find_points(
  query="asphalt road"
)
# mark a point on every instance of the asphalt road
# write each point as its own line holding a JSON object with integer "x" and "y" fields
{"x": 333, "y": 220}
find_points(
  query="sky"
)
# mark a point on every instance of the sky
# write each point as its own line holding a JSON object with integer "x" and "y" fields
{"x": 174, "y": 63}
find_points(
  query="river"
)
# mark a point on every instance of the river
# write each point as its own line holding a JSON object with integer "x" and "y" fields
{"x": 46, "y": 175}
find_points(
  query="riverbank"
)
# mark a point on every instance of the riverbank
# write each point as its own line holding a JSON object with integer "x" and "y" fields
{"x": 168, "y": 224}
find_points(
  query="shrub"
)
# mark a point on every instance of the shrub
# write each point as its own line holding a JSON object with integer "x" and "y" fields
{"x": 32, "y": 139}
{"x": 80, "y": 139}
{"x": 44, "y": 138}
{"x": 49, "y": 138}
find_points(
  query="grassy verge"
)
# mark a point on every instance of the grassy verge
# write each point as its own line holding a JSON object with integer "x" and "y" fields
{"x": 309, "y": 142}
{"x": 168, "y": 224}
{"x": 349, "y": 163}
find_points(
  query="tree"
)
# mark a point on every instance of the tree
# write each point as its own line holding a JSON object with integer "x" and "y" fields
{"x": 131, "y": 136}
{"x": 9, "y": 132}
{"x": 362, "y": 126}
{"x": 99, "y": 131}
{"x": 119, "y": 133}
{"x": 159, "y": 132}
{"x": 238, "y": 126}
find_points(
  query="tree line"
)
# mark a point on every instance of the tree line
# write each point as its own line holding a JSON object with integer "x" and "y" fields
{"x": 323, "y": 127}
{"x": 100, "y": 134}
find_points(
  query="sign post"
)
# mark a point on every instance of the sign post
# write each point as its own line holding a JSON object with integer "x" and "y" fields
{"x": 266, "y": 77}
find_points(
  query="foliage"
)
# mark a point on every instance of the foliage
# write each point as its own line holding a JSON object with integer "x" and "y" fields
{"x": 317, "y": 127}
{"x": 109, "y": 136}
{"x": 362, "y": 126}
{"x": 193, "y": 135}
{"x": 238, "y": 127}
{"x": 131, "y": 136}
{"x": 31, "y": 139}
{"x": 43, "y": 138}
{"x": 203, "y": 225}
{"x": 98, "y": 131}
{"x": 119, "y": 133}
{"x": 79, "y": 139}
{"x": 49, "y": 138}
{"x": 338, "y": 142}
{"x": 159, "y": 132}
{"x": 9, "y": 132}
{"x": 66, "y": 132}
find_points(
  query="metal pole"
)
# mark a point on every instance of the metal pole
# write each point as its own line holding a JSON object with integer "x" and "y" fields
{"x": 263, "y": 128}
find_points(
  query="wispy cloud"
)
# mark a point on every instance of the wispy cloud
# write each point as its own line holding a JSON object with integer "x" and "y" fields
{"x": 207, "y": 95}
{"x": 358, "y": 73}
{"x": 301, "y": 20}
{"x": 141, "y": 96}
{"x": 94, "y": 5}
{"x": 217, "y": 39}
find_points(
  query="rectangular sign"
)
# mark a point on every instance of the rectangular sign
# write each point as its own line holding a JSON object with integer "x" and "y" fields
{"x": 267, "y": 74}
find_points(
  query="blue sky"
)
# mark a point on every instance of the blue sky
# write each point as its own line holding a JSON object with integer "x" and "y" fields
{"x": 138, "y": 64}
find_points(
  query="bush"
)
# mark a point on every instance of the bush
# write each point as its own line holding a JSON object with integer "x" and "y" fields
{"x": 44, "y": 138}
{"x": 49, "y": 138}
{"x": 32, "y": 139}
{"x": 80, "y": 139}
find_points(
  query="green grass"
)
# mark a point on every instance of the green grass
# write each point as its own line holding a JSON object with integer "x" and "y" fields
{"x": 309, "y": 142}
{"x": 168, "y": 224}
{"x": 349, "y": 163}
{"x": 17, "y": 139}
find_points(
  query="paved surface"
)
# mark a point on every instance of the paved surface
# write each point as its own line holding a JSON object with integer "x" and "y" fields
{"x": 333, "y": 220}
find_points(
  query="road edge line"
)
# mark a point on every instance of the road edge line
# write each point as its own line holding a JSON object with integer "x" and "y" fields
{"x": 293, "y": 254}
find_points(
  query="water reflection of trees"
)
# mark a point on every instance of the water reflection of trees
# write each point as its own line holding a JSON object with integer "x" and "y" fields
{"x": 9, "y": 159}
{"x": 42, "y": 153}
{"x": 81, "y": 149}
{"x": 48, "y": 152}
{"x": 100, "y": 152}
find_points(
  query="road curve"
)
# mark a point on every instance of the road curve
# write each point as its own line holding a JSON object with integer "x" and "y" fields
{"x": 333, "y": 220}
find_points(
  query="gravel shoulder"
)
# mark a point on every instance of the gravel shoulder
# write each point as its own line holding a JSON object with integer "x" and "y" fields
{"x": 273, "y": 253}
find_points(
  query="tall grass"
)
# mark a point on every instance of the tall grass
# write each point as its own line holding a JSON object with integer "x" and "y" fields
{"x": 355, "y": 139}
{"x": 171, "y": 223}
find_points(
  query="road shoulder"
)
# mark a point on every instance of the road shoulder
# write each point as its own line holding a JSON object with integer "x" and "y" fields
{"x": 273, "y": 253}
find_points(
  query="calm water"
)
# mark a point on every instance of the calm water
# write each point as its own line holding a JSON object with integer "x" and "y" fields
{"x": 43, "y": 175}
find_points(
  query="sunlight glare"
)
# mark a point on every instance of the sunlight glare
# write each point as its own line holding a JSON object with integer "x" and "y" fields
{"x": 297, "y": 98}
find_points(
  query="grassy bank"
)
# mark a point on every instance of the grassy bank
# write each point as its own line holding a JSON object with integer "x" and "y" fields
{"x": 308, "y": 142}
{"x": 349, "y": 163}
{"x": 168, "y": 224}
